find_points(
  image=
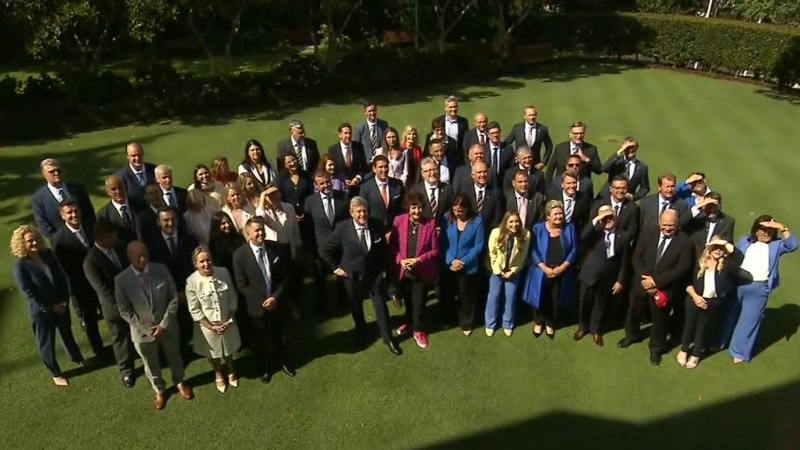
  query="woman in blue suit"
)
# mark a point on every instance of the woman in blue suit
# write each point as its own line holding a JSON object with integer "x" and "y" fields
{"x": 551, "y": 276}
{"x": 41, "y": 281}
{"x": 462, "y": 245}
{"x": 762, "y": 251}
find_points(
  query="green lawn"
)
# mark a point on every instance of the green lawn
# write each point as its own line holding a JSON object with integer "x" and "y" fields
{"x": 461, "y": 392}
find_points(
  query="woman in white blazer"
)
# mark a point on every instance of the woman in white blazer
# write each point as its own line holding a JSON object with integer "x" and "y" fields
{"x": 212, "y": 300}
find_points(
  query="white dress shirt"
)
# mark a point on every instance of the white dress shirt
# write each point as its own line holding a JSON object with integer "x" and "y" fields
{"x": 368, "y": 237}
{"x": 451, "y": 128}
{"x": 57, "y": 191}
{"x": 263, "y": 264}
{"x": 300, "y": 149}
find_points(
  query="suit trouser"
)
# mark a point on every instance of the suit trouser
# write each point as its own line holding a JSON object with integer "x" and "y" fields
{"x": 660, "y": 316}
{"x": 698, "y": 322}
{"x": 593, "y": 304}
{"x": 547, "y": 312}
{"x": 753, "y": 298}
{"x": 91, "y": 328}
{"x": 45, "y": 326}
{"x": 267, "y": 340}
{"x": 121, "y": 345}
{"x": 169, "y": 343}
{"x": 377, "y": 293}
{"x": 468, "y": 291}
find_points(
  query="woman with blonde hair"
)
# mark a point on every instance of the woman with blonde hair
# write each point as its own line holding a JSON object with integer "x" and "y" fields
{"x": 508, "y": 248}
{"x": 249, "y": 188}
{"x": 198, "y": 215}
{"x": 715, "y": 278}
{"x": 236, "y": 208}
{"x": 221, "y": 171}
{"x": 42, "y": 282}
{"x": 212, "y": 301}
{"x": 410, "y": 144}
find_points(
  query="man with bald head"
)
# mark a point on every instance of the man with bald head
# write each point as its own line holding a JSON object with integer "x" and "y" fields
{"x": 532, "y": 134}
{"x": 136, "y": 174}
{"x": 486, "y": 201}
{"x": 477, "y": 135}
{"x": 120, "y": 210}
{"x": 662, "y": 261}
{"x": 462, "y": 179}
{"x": 148, "y": 301}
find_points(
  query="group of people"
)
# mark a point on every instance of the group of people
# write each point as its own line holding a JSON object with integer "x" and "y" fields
{"x": 486, "y": 223}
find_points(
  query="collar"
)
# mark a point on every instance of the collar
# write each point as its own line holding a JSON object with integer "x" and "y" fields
{"x": 255, "y": 248}
{"x": 137, "y": 273}
{"x": 520, "y": 196}
{"x": 170, "y": 191}
{"x": 166, "y": 236}
{"x": 662, "y": 200}
{"x": 565, "y": 196}
{"x": 615, "y": 203}
{"x": 449, "y": 120}
{"x": 119, "y": 205}
{"x": 296, "y": 143}
{"x": 360, "y": 227}
{"x": 73, "y": 230}
{"x": 133, "y": 169}
{"x": 662, "y": 237}
{"x": 101, "y": 248}
{"x": 344, "y": 146}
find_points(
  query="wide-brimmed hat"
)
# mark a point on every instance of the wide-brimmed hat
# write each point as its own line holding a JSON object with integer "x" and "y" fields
{"x": 604, "y": 211}
{"x": 727, "y": 246}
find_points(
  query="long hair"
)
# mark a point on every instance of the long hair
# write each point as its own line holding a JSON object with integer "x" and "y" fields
{"x": 385, "y": 143}
{"x": 246, "y": 157}
{"x": 464, "y": 202}
{"x": 519, "y": 236}
{"x": 757, "y": 225}
{"x": 702, "y": 263}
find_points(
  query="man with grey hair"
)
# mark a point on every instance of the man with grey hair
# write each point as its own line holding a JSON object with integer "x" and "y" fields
{"x": 455, "y": 126}
{"x": 174, "y": 197}
{"x": 358, "y": 252}
{"x": 524, "y": 161}
{"x": 437, "y": 193}
{"x": 303, "y": 148}
{"x": 45, "y": 201}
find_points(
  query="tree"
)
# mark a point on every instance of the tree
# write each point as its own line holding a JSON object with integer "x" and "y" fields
{"x": 771, "y": 11}
{"x": 510, "y": 14}
{"x": 432, "y": 20}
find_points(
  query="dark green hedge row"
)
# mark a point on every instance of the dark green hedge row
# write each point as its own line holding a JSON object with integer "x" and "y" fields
{"x": 772, "y": 51}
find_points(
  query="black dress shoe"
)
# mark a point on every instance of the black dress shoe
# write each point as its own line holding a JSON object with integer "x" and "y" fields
{"x": 655, "y": 358}
{"x": 128, "y": 382}
{"x": 625, "y": 343}
{"x": 288, "y": 370}
{"x": 395, "y": 349}
{"x": 266, "y": 378}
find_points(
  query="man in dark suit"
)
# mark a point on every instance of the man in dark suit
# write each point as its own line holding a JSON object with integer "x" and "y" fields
{"x": 590, "y": 160}
{"x": 653, "y": 205}
{"x": 304, "y": 148}
{"x": 477, "y": 135}
{"x": 529, "y": 205}
{"x": 71, "y": 243}
{"x": 604, "y": 271}
{"x": 453, "y": 155}
{"x": 260, "y": 276}
{"x": 486, "y": 201}
{"x": 626, "y": 212}
{"x": 455, "y": 126}
{"x": 45, "y": 201}
{"x": 349, "y": 158}
{"x": 137, "y": 173}
{"x": 710, "y": 221}
{"x": 173, "y": 196}
{"x": 662, "y": 261}
{"x": 499, "y": 157}
{"x": 384, "y": 195}
{"x": 438, "y": 194}
{"x": 576, "y": 204}
{"x": 533, "y": 135}
{"x": 445, "y": 168}
{"x": 120, "y": 210}
{"x": 462, "y": 179}
{"x": 585, "y": 184}
{"x": 624, "y": 163}
{"x": 357, "y": 249}
{"x": 104, "y": 261}
{"x": 524, "y": 163}
{"x": 369, "y": 132}
{"x": 325, "y": 208}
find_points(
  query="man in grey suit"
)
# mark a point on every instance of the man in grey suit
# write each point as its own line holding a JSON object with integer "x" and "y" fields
{"x": 369, "y": 132}
{"x": 652, "y": 206}
{"x": 148, "y": 301}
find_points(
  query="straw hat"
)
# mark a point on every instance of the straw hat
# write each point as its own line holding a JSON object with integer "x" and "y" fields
{"x": 727, "y": 246}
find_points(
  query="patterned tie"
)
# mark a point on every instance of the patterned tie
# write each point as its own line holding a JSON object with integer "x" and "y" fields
{"x": 664, "y": 206}
{"x": 373, "y": 136}
{"x": 385, "y": 194}
{"x": 432, "y": 201}
{"x": 568, "y": 210}
{"x": 144, "y": 283}
{"x": 523, "y": 209}
{"x": 479, "y": 202}
{"x": 298, "y": 151}
{"x": 348, "y": 158}
{"x": 616, "y": 210}
{"x": 140, "y": 177}
{"x": 81, "y": 237}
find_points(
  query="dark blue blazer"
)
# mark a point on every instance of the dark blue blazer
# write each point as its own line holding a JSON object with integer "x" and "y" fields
{"x": 47, "y": 215}
{"x": 32, "y": 282}
{"x": 344, "y": 249}
{"x": 133, "y": 188}
{"x": 467, "y": 248}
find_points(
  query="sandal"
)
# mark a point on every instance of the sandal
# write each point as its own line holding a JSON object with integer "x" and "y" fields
{"x": 681, "y": 359}
{"x": 693, "y": 362}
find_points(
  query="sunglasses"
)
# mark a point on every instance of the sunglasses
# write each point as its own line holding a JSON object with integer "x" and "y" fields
{"x": 573, "y": 165}
{"x": 54, "y": 171}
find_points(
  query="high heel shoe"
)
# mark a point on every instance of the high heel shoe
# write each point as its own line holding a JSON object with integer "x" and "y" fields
{"x": 551, "y": 335}
{"x": 535, "y": 334}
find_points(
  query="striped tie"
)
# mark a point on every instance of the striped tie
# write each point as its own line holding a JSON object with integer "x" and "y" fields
{"x": 432, "y": 201}
{"x": 479, "y": 202}
{"x": 568, "y": 210}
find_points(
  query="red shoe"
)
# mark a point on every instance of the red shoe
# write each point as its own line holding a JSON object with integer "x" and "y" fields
{"x": 402, "y": 329}
{"x": 421, "y": 339}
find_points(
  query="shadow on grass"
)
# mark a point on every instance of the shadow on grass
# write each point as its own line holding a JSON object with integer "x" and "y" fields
{"x": 766, "y": 420}
{"x": 785, "y": 95}
{"x": 778, "y": 323}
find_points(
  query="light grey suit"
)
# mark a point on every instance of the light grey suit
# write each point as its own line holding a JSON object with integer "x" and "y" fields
{"x": 142, "y": 314}
{"x": 361, "y": 134}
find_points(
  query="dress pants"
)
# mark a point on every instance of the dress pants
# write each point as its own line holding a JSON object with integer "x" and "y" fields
{"x": 660, "y": 319}
{"x": 169, "y": 343}
{"x": 547, "y": 313}
{"x": 90, "y": 317}
{"x": 45, "y": 326}
{"x": 753, "y": 298}
{"x": 698, "y": 323}
{"x": 267, "y": 341}
{"x": 593, "y": 305}
{"x": 468, "y": 291}
{"x": 414, "y": 294}
{"x": 121, "y": 345}
{"x": 502, "y": 294}
{"x": 376, "y": 290}
{"x": 446, "y": 295}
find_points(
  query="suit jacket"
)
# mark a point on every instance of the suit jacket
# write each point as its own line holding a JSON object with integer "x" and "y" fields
{"x": 535, "y": 180}
{"x": 558, "y": 162}
{"x": 671, "y": 273}
{"x": 535, "y": 210}
{"x": 180, "y": 196}
{"x": 463, "y": 126}
{"x": 285, "y": 147}
{"x": 505, "y": 161}
{"x": 492, "y": 212}
{"x": 627, "y": 220}
{"x": 462, "y": 179}
{"x": 127, "y": 232}
{"x": 445, "y": 197}
{"x": 638, "y": 184}
{"x": 471, "y": 138}
{"x": 70, "y": 253}
{"x": 585, "y": 186}
{"x": 427, "y": 249}
{"x": 467, "y": 248}
{"x": 455, "y": 157}
{"x": 141, "y": 313}
{"x": 178, "y": 263}
{"x": 517, "y": 136}
{"x": 697, "y": 229}
{"x": 496, "y": 256}
{"x": 343, "y": 249}
{"x": 147, "y": 225}
{"x": 649, "y": 207}
{"x": 39, "y": 291}
{"x": 250, "y": 280}
{"x": 133, "y": 187}
{"x": 46, "y": 212}
{"x": 361, "y": 135}
{"x": 359, "y": 164}
{"x": 316, "y": 212}
{"x": 377, "y": 210}
{"x": 580, "y": 211}
{"x": 540, "y": 241}
{"x": 101, "y": 272}
{"x": 597, "y": 267}
{"x": 725, "y": 281}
